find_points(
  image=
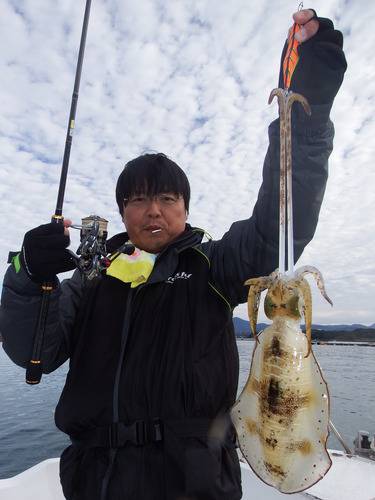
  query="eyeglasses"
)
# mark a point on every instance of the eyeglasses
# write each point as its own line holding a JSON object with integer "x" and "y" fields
{"x": 141, "y": 200}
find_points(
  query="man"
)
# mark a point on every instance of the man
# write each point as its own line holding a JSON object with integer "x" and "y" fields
{"x": 153, "y": 359}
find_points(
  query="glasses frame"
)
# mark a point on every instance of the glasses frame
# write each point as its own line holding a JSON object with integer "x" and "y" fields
{"x": 163, "y": 199}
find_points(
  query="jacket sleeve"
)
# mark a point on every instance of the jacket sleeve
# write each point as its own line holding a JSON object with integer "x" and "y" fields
{"x": 250, "y": 247}
{"x": 20, "y": 303}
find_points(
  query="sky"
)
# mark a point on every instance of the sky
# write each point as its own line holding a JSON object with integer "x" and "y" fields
{"x": 190, "y": 79}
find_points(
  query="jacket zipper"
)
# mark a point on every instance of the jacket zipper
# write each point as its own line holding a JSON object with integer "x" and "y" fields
{"x": 115, "y": 400}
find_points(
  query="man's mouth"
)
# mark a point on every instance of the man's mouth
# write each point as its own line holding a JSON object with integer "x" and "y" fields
{"x": 153, "y": 229}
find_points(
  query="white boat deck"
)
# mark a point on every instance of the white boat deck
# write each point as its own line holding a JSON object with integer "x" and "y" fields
{"x": 348, "y": 479}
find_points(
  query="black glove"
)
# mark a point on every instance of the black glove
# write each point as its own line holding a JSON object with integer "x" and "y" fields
{"x": 321, "y": 66}
{"x": 44, "y": 253}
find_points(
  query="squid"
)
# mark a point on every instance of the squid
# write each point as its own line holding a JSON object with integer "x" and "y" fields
{"x": 282, "y": 414}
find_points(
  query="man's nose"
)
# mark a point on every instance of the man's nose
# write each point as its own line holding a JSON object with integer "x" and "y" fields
{"x": 153, "y": 208}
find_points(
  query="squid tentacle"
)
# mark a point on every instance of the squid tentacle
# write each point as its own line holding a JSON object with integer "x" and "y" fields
{"x": 257, "y": 285}
{"x": 307, "y": 311}
{"x": 318, "y": 277}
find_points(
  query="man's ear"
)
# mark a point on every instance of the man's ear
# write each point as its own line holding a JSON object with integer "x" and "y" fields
{"x": 123, "y": 213}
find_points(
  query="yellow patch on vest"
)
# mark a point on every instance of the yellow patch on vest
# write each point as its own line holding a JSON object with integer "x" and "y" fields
{"x": 135, "y": 268}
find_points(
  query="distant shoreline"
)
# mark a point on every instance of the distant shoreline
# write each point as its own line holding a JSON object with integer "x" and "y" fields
{"x": 325, "y": 343}
{"x": 361, "y": 335}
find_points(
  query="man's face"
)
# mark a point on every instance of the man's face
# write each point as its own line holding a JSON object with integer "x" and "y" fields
{"x": 153, "y": 223}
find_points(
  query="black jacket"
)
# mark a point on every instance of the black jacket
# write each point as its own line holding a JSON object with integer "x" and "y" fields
{"x": 180, "y": 364}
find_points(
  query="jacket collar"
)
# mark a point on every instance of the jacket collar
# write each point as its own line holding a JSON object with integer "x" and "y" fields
{"x": 167, "y": 260}
{"x": 190, "y": 237}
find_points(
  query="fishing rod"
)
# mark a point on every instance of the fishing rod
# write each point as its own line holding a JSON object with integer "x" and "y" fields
{"x": 72, "y": 115}
{"x": 34, "y": 367}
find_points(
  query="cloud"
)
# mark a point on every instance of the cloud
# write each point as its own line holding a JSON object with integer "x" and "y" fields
{"x": 190, "y": 79}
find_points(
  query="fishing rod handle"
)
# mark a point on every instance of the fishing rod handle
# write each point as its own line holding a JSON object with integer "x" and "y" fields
{"x": 34, "y": 369}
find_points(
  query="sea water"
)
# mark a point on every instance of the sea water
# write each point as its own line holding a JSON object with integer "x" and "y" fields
{"x": 28, "y": 434}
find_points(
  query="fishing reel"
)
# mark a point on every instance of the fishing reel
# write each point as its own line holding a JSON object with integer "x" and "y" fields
{"x": 92, "y": 257}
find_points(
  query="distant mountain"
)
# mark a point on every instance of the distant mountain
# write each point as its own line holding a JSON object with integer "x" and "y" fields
{"x": 359, "y": 335}
{"x": 242, "y": 327}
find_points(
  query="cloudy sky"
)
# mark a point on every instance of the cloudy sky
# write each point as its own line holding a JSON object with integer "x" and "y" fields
{"x": 190, "y": 78}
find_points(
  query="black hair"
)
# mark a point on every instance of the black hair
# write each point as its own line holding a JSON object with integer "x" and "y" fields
{"x": 151, "y": 174}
